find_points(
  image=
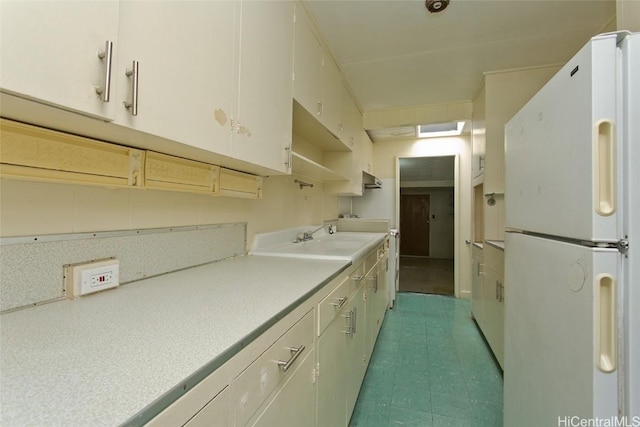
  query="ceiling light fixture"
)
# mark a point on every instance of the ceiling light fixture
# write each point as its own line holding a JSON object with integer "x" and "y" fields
{"x": 435, "y": 6}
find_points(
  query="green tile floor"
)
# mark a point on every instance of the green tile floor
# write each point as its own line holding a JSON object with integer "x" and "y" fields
{"x": 430, "y": 367}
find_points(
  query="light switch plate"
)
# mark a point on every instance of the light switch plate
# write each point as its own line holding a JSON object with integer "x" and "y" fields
{"x": 93, "y": 276}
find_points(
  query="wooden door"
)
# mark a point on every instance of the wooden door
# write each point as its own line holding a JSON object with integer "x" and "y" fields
{"x": 414, "y": 224}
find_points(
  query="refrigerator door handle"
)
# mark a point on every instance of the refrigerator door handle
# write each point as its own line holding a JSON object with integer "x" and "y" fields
{"x": 605, "y": 173}
{"x": 605, "y": 322}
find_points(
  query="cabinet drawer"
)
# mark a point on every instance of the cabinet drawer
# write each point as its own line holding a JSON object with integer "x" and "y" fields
{"x": 215, "y": 412}
{"x": 370, "y": 261}
{"x": 240, "y": 184}
{"x": 494, "y": 259}
{"x": 252, "y": 387}
{"x": 329, "y": 307}
{"x": 174, "y": 173}
{"x": 30, "y": 152}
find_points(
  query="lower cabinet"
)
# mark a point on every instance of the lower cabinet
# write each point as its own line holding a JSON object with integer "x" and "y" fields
{"x": 477, "y": 294}
{"x": 264, "y": 379}
{"x": 216, "y": 411}
{"x": 306, "y": 370}
{"x": 487, "y": 290}
{"x": 356, "y": 351}
{"x": 294, "y": 404}
{"x": 341, "y": 349}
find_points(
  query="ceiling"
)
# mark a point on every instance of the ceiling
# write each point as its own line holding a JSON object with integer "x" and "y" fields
{"x": 393, "y": 53}
{"x": 426, "y": 169}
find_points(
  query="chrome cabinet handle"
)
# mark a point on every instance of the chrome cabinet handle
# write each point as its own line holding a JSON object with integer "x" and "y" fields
{"x": 295, "y": 353}
{"x": 320, "y": 108}
{"x": 133, "y": 73}
{"x": 374, "y": 288}
{"x": 106, "y": 55}
{"x": 288, "y": 162}
{"x": 340, "y": 302}
{"x": 354, "y": 319}
{"x": 349, "y": 317}
{"x": 357, "y": 278}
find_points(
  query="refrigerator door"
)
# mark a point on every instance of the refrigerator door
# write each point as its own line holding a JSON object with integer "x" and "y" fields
{"x": 631, "y": 107}
{"x": 561, "y": 148}
{"x": 560, "y": 332}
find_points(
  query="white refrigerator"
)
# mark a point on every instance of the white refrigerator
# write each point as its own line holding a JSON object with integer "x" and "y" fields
{"x": 572, "y": 256}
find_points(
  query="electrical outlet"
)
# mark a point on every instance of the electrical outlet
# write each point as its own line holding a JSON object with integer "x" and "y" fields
{"x": 93, "y": 276}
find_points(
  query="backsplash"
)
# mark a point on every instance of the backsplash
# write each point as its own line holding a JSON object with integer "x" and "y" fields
{"x": 32, "y": 271}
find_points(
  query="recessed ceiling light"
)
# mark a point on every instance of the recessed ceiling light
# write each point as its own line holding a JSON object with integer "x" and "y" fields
{"x": 435, "y": 6}
{"x": 440, "y": 129}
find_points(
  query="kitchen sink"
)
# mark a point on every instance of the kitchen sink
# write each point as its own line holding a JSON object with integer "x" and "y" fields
{"x": 337, "y": 246}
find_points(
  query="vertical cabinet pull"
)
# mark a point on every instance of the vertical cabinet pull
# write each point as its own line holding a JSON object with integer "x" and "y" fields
{"x": 295, "y": 353}
{"x": 288, "y": 162}
{"x": 605, "y": 322}
{"x": 349, "y": 316}
{"x": 133, "y": 74}
{"x": 106, "y": 56}
{"x": 354, "y": 319}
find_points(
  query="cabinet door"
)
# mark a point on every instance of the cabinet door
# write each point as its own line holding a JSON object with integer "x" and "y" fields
{"x": 265, "y": 89}
{"x": 331, "y": 107}
{"x": 307, "y": 65}
{"x": 185, "y": 52}
{"x": 216, "y": 412}
{"x": 352, "y": 120}
{"x": 294, "y": 403}
{"x": 357, "y": 354}
{"x": 367, "y": 152}
{"x": 479, "y": 135}
{"x": 477, "y": 306}
{"x": 50, "y": 52}
{"x": 332, "y": 358}
{"x": 493, "y": 312}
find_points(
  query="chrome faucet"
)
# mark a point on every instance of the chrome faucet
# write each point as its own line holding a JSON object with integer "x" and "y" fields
{"x": 308, "y": 235}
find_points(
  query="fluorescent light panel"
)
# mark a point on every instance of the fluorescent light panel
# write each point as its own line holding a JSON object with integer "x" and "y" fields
{"x": 440, "y": 129}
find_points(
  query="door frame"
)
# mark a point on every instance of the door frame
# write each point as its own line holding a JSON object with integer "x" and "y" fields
{"x": 457, "y": 227}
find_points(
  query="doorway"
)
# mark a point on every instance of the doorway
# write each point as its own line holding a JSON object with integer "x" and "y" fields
{"x": 427, "y": 218}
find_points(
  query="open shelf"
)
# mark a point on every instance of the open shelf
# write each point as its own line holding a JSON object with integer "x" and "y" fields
{"x": 310, "y": 169}
{"x": 307, "y": 126}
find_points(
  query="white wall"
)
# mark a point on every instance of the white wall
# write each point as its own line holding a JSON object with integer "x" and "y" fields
{"x": 36, "y": 208}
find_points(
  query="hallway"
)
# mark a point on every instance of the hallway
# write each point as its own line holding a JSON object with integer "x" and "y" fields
{"x": 430, "y": 367}
{"x": 426, "y": 275}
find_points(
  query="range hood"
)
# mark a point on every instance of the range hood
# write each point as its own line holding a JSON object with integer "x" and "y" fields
{"x": 370, "y": 181}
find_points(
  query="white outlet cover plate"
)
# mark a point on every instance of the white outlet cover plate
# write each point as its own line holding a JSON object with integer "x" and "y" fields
{"x": 94, "y": 277}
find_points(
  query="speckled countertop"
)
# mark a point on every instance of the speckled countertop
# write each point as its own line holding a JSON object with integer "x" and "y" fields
{"x": 102, "y": 359}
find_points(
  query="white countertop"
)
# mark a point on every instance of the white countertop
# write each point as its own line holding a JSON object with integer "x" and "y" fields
{"x": 102, "y": 359}
{"x": 496, "y": 243}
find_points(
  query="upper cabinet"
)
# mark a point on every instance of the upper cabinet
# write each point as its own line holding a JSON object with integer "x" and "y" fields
{"x": 265, "y": 89}
{"x": 61, "y": 54}
{"x": 220, "y": 81}
{"x": 204, "y": 80}
{"x": 317, "y": 78}
{"x": 478, "y": 142}
{"x": 307, "y": 66}
{"x": 183, "y": 85}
